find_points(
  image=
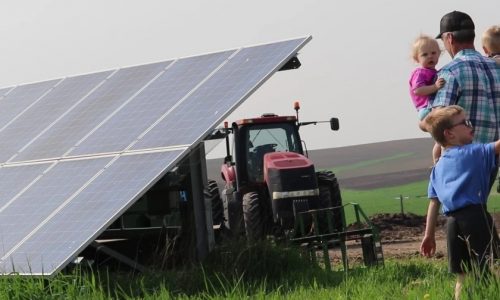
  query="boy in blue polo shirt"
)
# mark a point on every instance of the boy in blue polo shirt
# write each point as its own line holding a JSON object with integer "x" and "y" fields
{"x": 459, "y": 183}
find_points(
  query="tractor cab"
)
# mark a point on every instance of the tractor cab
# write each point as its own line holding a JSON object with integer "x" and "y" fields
{"x": 259, "y": 136}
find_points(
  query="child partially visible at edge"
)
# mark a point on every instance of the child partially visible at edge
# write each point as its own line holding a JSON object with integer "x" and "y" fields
{"x": 491, "y": 47}
{"x": 460, "y": 184}
{"x": 423, "y": 83}
{"x": 491, "y": 42}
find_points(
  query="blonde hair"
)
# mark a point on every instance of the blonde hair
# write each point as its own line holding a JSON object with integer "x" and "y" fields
{"x": 440, "y": 119}
{"x": 419, "y": 42}
{"x": 491, "y": 39}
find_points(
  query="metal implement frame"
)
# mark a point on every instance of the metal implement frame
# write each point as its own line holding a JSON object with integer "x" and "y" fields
{"x": 316, "y": 239}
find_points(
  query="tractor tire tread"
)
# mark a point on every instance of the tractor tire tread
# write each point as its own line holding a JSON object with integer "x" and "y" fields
{"x": 253, "y": 217}
{"x": 212, "y": 195}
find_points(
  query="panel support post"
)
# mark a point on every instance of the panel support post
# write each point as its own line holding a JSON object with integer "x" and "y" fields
{"x": 202, "y": 211}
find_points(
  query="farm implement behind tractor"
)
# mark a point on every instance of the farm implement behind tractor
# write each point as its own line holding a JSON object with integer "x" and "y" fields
{"x": 323, "y": 238}
{"x": 271, "y": 187}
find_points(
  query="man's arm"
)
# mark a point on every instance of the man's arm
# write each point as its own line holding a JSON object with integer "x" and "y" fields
{"x": 428, "y": 246}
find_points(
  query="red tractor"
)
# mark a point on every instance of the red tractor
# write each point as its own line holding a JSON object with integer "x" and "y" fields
{"x": 270, "y": 180}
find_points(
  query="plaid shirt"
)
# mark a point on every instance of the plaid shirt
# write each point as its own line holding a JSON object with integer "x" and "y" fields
{"x": 473, "y": 82}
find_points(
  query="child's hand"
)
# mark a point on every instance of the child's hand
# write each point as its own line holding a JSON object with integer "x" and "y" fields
{"x": 440, "y": 83}
{"x": 428, "y": 246}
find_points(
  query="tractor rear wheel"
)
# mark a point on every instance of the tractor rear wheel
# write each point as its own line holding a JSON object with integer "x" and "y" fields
{"x": 212, "y": 195}
{"x": 329, "y": 196}
{"x": 253, "y": 217}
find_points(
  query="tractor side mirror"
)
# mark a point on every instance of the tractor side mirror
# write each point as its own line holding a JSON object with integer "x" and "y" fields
{"x": 334, "y": 124}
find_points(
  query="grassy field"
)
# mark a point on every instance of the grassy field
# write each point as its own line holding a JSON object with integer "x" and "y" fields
{"x": 387, "y": 200}
{"x": 254, "y": 272}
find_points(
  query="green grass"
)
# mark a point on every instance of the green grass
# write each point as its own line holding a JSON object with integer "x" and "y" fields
{"x": 386, "y": 200}
{"x": 257, "y": 272}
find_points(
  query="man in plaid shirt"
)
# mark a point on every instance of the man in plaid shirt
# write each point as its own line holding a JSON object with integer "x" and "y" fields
{"x": 472, "y": 80}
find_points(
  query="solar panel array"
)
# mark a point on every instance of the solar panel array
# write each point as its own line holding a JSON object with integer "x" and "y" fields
{"x": 77, "y": 152}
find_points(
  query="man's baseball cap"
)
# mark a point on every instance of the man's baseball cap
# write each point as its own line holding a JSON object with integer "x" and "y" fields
{"x": 455, "y": 21}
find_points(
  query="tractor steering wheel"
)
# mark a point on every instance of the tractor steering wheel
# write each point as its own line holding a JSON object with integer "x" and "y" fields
{"x": 256, "y": 157}
{"x": 266, "y": 148}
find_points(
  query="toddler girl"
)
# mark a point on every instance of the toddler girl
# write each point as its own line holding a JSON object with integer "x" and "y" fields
{"x": 423, "y": 81}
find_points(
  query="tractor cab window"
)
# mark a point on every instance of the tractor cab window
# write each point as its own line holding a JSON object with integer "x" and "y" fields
{"x": 265, "y": 138}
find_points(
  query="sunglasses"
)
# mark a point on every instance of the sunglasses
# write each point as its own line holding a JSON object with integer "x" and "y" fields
{"x": 465, "y": 122}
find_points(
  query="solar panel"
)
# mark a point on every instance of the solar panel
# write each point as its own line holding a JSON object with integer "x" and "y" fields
{"x": 222, "y": 91}
{"x": 77, "y": 152}
{"x": 45, "y": 112}
{"x": 80, "y": 218}
{"x": 60, "y": 182}
{"x": 98, "y": 106}
{"x": 170, "y": 87}
{"x": 14, "y": 180}
{"x": 16, "y": 100}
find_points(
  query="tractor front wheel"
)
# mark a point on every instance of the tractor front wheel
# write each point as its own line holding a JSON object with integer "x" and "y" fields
{"x": 329, "y": 196}
{"x": 253, "y": 217}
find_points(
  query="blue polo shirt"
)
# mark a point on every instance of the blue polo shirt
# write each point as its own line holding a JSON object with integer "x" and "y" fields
{"x": 461, "y": 177}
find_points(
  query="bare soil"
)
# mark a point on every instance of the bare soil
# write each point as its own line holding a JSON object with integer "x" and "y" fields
{"x": 401, "y": 236}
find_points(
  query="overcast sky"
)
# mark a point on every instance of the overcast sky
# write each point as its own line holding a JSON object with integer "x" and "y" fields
{"x": 355, "y": 68}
